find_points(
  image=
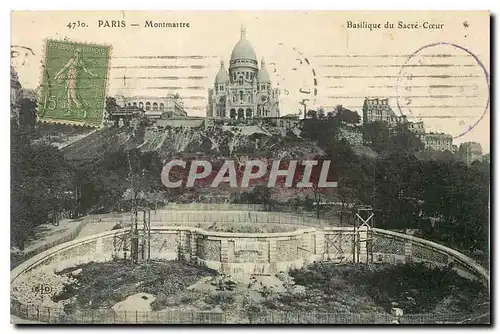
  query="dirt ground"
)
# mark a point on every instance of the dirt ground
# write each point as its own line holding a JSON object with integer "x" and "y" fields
{"x": 319, "y": 288}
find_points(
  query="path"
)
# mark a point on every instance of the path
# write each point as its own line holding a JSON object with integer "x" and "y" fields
{"x": 95, "y": 228}
{"x": 47, "y": 233}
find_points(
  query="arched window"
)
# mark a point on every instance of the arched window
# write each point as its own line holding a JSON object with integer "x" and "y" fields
{"x": 241, "y": 95}
{"x": 240, "y": 81}
{"x": 247, "y": 75}
{"x": 148, "y": 106}
{"x": 162, "y": 107}
{"x": 141, "y": 105}
{"x": 134, "y": 104}
{"x": 155, "y": 106}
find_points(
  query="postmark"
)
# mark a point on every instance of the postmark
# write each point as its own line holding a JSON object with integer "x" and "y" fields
{"x": 74, "y": 83}
{"x": 20, "y": 55}
{"x": 446, "y": 86}
{"x": 295, "y": 78}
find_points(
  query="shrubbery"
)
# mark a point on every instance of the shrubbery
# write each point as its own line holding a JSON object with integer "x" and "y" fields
{"x": 416, "y": 288}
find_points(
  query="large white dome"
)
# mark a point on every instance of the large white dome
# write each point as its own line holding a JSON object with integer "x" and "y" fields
{"x": 243, "y": 49}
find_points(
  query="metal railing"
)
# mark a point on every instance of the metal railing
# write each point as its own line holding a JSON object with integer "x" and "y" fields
{"x": 52, "y": 315}
{"x": 357, "y": 318}
{"x": 106, "y": 316}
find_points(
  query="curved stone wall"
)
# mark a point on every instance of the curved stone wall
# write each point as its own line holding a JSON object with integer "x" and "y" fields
{"x": 257, "y": 253}
{"x": 421, "y": 250}
{"x": 226, "y": 252}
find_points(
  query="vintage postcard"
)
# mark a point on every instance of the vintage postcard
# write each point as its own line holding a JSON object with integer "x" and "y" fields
{"x": 286, "y": 167}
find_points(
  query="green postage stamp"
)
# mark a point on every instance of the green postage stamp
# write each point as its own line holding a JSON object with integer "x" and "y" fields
{"x": 74, "y": 83}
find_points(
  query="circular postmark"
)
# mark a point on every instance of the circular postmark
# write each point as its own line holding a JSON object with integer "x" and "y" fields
{"x": 20, "y": 55}
{"x": 294, "y": 77}
{"x": 446, "y": 86}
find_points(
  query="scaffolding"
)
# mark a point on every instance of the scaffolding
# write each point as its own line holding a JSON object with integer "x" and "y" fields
{"x": 363, "y": 234}
{"x": 137, "y": 241}
{"x": 140, "y": 236}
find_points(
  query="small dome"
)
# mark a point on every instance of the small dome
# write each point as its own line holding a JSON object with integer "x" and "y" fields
{"x": 243, "y": 49}
{"x": 222, "y": 75}
{"x": 263, "y": 75}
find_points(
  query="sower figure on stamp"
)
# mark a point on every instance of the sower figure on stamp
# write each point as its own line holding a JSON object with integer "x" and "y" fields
{"x": 73, "y": 68}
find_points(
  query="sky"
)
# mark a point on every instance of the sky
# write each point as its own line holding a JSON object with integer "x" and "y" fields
{"x": 439, "y": 76}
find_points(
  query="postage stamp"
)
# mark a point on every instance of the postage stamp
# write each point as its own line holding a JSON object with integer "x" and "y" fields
{"x": 74, "y": 83}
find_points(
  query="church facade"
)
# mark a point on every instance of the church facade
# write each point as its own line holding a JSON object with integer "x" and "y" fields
{"x": 244, "y": 90}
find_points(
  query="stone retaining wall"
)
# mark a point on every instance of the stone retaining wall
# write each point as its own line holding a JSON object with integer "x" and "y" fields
{"x": 258, "y": 253}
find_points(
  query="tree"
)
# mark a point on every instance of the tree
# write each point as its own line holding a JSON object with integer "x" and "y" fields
{"x": 435, "y": 155}
{"x": 403, "y": 140}
{"x": 111, "y": 104}
{"x": 395, "y": 190}
{"x": 103, "y": 182}
{"x": 27, "y": 113}
{"x": 316, "y": 193}
{"x": 322, "y": 131}
{"x": 41, "y": 182}
{"x": 321, "y": 113}
{"x": 313, "y": 114}
{"x": 376, "y": 135}
{"x": 456, "y": 197}
{"x": 257, "y": 195}
{"x": 346, "y": 116}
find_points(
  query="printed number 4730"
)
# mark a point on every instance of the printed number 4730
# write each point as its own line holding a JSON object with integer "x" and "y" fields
{"x": 77, "y": 24}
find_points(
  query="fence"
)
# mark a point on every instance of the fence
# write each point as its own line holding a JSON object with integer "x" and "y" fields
{"x": 354, "y": 318}
{"x": 233, "y": 216}
{"x": 174, "y": 214}
{"x": 297, "y": 210}
{"x": 53, "y": 315}
{"x": 214, "y": 207}
{"x": 104, "y": 316}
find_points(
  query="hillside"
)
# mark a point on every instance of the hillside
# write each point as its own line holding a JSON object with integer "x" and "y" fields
{"x": 216, "y": 141}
